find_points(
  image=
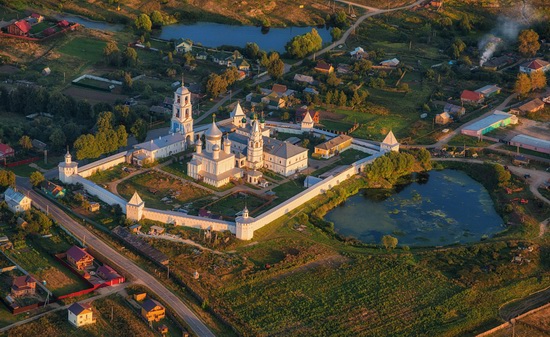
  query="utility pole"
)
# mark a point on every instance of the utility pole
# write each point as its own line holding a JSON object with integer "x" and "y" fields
{"x": 168, "y": 271}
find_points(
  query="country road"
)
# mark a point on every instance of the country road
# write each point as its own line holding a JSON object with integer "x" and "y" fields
{"x": 117, "y": 259}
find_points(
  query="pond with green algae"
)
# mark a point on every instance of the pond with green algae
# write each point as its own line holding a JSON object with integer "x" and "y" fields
{"x": 439, "y": 208}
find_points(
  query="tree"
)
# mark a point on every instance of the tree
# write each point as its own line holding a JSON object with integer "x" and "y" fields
{"x": 36, "y": 178}
{"x": 333, "y": 80}
{"x": 285, "y": 116}
{"x": 465, "y": 23}
{"x": 25, "y": 142}
{"x": 58, "y": 138}
{"x": 389, "y": 242}
{"x": 252, "y": 50}
{"x": 156, "y": 18}
{"x": 340, "y": 19}
{"x": 343, "y": 99}
{"x": 7, "y": 178}
{"x": 215, "y": 85}
{"x": 457, "y": 48}
{"x": 503, "y": 176}
{"x": 130, "y": 56}
{"x": 336, "y": 33}
{"x": 143, "y": 23}
{"x": 329, "y": 97}
{"x": 127, "y": 83}
{"x": 188, "y": 58}
{"x": 275, "y": 66}
{"x": 362, "y": 66}
{"x": 302, "y": 45}
{"x": 111, "y": 53}
{"x": 538, "y": 80}
{"x": 523, "y": 84}
{"x": 529, "y": 43}
{"x": 139, "y": 130}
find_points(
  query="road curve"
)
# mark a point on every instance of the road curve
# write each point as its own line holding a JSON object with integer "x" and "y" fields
{"x": 174, "y": 302}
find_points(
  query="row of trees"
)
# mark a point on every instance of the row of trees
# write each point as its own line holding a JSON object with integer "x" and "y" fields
{"x": 107, "y": 139}
{"x": 218, "y": 84}
{"x": 527, "y": 83}
{"x": 340, "y": 98}
{"x": 394, "y": 165}
{"x": 113, "y": 55}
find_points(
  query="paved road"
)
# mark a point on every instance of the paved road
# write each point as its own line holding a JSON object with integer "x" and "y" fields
{"x": 178, "y": 307}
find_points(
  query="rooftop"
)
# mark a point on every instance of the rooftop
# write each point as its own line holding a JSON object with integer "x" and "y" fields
{"x": 532, "y": 141}
{"x": 334, "y": 142}
{"x": 163, "y": 141}
{"x": 496, "y": 117}
{"x": 77, "y": 253}
{"x": 78, "y": 308}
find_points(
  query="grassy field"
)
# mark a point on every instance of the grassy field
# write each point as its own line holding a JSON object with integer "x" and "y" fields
{"x": 107, "y": 176}
{"x": 461, "y": 140}
{"x": 152, "y": 186}
{"x": 231, "y": 204}
{"x": 87, "y": 49}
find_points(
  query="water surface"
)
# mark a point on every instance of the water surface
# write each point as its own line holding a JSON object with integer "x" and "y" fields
{"x": 446, "y": 207}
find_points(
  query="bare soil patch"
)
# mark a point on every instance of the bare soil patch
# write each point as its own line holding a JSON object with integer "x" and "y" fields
{"x": 93, "y": 96}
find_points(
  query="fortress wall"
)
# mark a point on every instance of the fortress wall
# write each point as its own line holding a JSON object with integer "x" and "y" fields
{"x": 181, "y": 219}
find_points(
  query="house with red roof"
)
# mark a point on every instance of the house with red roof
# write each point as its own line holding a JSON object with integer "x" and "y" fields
{"x": 534, "y": 66}
{"x": 6, "y": 151}
{"x": 19, "y": 28}
{"x": 110, "y": 275}
{"x": 79, "y": 258}
{"x": 471, "y": 97}
{"x": 324, "y": 67}
{"x": 63, "y": 23}
{"x": 23, "y": 286}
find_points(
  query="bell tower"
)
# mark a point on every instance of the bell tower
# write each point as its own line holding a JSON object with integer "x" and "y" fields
{"x": 182, "y": 114}
{"x": 255, "y": 149}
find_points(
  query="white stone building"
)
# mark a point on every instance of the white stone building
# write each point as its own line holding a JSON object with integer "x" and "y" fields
{"x": 162, "y": 147}
{"x": 215, "y": 165}
{"x": 80, "y": 314}
{"x": 182, "y": 114}
{"x": 17, "y": 202}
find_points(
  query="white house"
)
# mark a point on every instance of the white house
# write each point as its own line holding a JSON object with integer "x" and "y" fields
{"x": 183, "y": 46}
{"x": 358, "y": 53}
{"x": 534, "y": 66}
{"x": 80, "y": 314}
{"x": 390, "y": 63}
{"x": 17, "y": 202}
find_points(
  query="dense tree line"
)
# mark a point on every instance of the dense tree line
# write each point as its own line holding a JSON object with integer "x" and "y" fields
{"x": 106, "y": 139}
{"x": 7, "y": 179}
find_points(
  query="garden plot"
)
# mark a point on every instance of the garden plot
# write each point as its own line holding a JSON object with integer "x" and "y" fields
{"x": 160, "y": 191}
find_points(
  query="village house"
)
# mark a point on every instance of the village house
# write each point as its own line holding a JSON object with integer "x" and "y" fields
{"x": 391, "y": 63}
{"x": 6, "y": 151}
{"x": 19, "y": 28}
{"x": 324, "y": 67}
{"x": 333, "y": 146}
{"x": 242, "y": 64}
{"x": 23, "y": 286}
{"x": 534, "y": 66}
{"x": 358, "y": 53}
{"x": 454, "y": 110}
{"x": 310, "y": 91}
{"x": 94, "y": 207}
{"x": 183, "y": 46}
{"x": 110, "y": 275}
{"x": 80, "y": 314}
{"x": 532, "y": 106}
{"x": 202, "y": 55}
{"x": 471, "y": 97}
{"x": 79, "y": 258}
{"x": 279, "y": 89}
{"x": 303, "y": 79}
{"x": 17, "y": 202}
{"x": 273, "y": 101}
{"x": 37, "y": 18}
{"x": 489, "y": 90}
{"x": 443, "y": 118}
{"x": 52, "y": 190}
{"x": 152, "y": 310}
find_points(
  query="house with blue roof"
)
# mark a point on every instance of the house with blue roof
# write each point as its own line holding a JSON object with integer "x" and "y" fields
{"x": 17, "y": 201}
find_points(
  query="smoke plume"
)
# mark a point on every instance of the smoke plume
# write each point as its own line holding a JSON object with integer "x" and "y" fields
{"x": 505, "y": 32}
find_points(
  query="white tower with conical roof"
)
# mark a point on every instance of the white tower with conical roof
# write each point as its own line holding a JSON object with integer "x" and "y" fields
{"x": 67, "y": 168}
{"x": 237, "y": 115}
{"x": 182, "y": 114}
{"x": 134, "y": 208}
{"x": 307, "y": 122}
{"x": 389, "y": 144}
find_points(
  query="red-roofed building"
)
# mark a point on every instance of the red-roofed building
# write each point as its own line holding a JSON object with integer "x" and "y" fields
{"x": 109, "y": 275}
{"x": 79, "y": 258}
{"x": 6, "y": 151}
{"x": 534, "y": 66}
{"x": 23, "y": 286}
{"x": 63, "y": 23}
{"x": 471, "y": 97}
{"x": 324, "y": 67}
{"x": 38, "y": 17}
{"x": 19, "y": 28}
{"x": 279, "y": 88}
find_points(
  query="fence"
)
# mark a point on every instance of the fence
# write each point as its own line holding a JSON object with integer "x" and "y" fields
{"x": 22, "y": 162}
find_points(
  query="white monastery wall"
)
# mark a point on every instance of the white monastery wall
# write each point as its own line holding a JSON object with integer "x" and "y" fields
{"x": 102, "y": 164}
{"x": 94, "y": 189}
{"x": 180, "y": 219}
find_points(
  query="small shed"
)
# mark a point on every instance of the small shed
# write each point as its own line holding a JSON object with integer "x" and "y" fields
{"x": 94, "y": 207}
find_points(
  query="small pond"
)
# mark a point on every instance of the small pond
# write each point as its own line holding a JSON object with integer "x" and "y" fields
{"x": 215, "y": 34}
{"x": 99, "y": 25}
{"x": 442, "y": 208}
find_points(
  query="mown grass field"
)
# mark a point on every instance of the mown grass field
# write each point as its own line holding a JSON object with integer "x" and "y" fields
{"x": 88, "y": 49}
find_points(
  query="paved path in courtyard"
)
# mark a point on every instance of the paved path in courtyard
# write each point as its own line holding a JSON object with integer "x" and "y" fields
{"x": 104, "y": 292}
{"x": 118, "y": 260}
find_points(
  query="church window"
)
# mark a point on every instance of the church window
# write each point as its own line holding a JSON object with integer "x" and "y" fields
{"x": 178, "y": 100}
{"x": 186, "y": 99}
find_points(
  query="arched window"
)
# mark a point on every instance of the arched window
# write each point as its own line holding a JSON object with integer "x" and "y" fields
{"x": 177, "y": 113}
